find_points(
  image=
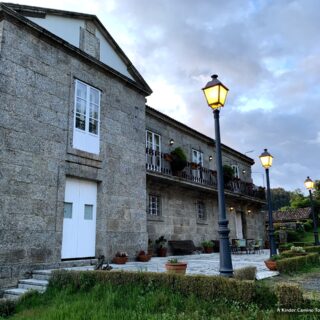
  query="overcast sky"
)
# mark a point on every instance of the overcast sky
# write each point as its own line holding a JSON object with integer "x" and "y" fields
{"x": 267, "y": 52}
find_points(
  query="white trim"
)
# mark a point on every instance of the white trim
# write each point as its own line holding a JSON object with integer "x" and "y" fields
{"x": 84, "y": 139}
{"x": 153, "y": 161}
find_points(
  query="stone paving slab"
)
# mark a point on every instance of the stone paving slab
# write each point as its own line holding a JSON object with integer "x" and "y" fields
{"x": 205, "y": 264}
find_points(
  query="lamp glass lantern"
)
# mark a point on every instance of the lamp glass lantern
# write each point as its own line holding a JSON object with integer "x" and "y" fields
{"x": 215, "y": 93}
{"x": 266, "y": 159}
{"x": 309, "y": 184}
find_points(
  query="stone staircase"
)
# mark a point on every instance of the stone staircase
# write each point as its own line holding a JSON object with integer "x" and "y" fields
{"x": 39, "y": 282}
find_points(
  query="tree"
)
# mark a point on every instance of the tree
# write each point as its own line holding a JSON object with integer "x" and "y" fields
{"x": 280, "y": 198}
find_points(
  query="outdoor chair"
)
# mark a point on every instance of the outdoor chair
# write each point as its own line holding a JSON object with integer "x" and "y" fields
{"x": 234, "y": 246}
{"x": 257, "y": 245}
{"x": 250, "y": 245}
{"x": 242, "y": 245}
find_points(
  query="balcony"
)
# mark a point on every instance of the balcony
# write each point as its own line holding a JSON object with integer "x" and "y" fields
{"x": 158, "y": 163}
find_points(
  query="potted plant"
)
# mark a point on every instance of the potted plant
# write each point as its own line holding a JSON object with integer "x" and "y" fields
{"x": 194, "y": 165}
{"x": 179, "y": 160}
{"x": 120, "y": 258}
{"x": 271, "y": 263}
{"x": 143, "y": 257}
{"x": 161, "y": 246}
{"x": 175, "y": 266}
{"x": 207, "y": 246}
{"x": 228, "y": 173}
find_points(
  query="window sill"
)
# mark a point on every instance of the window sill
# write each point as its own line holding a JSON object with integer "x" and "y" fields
{"x": 202, "y": 222}
{"x": 154, "y": 218}
{"x": 84, "y": 154}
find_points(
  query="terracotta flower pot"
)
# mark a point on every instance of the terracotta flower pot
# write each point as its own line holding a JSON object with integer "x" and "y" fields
{"x": 162, "y": 252}
{"x": 208, "y": 250}
{"x": 179, "y": 267}
{"x": 119, "y": 260}
{"x": 144, "y": 258}
{"x": 271, "y": 265}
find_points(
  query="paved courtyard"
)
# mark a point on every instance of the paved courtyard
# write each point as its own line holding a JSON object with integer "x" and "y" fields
{"x": 206, "y": 264}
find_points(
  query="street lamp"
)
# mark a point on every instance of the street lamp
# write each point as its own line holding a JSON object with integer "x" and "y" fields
{"x": 309, "y": 184}
{"x": 216, "y": 93}
{"x": 266, "y": 161}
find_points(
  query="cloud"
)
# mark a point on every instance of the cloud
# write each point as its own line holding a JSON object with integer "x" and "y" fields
{"x": 266, "y": 52}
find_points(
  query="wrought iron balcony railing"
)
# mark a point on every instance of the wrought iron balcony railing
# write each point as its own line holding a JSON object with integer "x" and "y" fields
{"x": 159, "y": 162}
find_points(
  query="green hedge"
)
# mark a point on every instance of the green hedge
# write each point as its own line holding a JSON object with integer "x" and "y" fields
{"x": 289, "y": 295}
{"x": 291, "y": 254}
{"x": 288, "y": 265}
{"x": 205, "y": 287}
{"x": 312, "y": 249}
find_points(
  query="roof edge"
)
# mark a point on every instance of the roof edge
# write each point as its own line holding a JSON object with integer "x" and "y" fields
{"x": 14, "y": 11}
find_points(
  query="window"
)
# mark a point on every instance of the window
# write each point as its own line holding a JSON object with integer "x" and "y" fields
{"x": 197, "y": 158}
{"x": 86, "y": 118}
{"x": 153, "y": 145}
{"x": 67, "y": 212}
{"x": 154, "y": 206}
{"x": 201, "y": 212}
{"x": 235, "y": 171}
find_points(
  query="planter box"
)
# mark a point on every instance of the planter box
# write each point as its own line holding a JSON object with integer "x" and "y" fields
{"x": 179, "y": 267}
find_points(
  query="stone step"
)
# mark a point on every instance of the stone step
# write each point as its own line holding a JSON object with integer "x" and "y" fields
{"x": 42, "y": 274}
{"x": 14, "y": 294}
{"x": 33, "y": 284}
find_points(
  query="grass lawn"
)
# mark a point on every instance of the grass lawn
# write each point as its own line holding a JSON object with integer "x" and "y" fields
{"x": 309, "y": 236}
{"x": 130, "y": 302}
{"x": 135, "y": 302}
{"x": 308, "y": 279}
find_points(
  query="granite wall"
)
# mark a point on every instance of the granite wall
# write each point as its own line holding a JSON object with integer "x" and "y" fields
{"x": 37, "y": 78}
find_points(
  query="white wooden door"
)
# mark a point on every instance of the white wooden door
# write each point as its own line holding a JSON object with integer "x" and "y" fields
{"x": 197, "y": 157}
{"x": 239, "y": 232}
{"x": 79, "y": 222}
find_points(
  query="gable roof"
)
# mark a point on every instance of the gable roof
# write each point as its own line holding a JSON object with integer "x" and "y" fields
{"x": 291, "y": 214}
{"x": 20, "y": 12}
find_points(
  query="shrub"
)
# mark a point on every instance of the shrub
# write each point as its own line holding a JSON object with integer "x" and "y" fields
{"x": 228, "y": 173}
{"x": 300, "y": 227}
{"x": 7, "y": 308}
{"x": 312, "y": 249}
{"x": 205, "y": 287}
{"x": 179, "y": 153}
{"x": 290, "y": 254}
{"x": 207, "y": 244}
{"x": 263, "y": 296}
{"x": 308, "y": 225}
{"x": 246, "y": 273}
{"x": 285, "y": 246}
{"x": 289, "y": 295}
{"x": 292, "y": 236}
{"x": 288, "y": 265}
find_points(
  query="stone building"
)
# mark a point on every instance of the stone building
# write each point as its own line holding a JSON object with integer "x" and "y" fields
{"x": 185, "y": 205}
{"x": 76, "y": 178}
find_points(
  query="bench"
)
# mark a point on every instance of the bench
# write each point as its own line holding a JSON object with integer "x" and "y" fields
{"x": 179, "y": 247}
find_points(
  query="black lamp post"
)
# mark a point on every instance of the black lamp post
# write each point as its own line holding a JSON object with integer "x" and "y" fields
{"x": 266, "y": 161}
{"x": 309, "y": 184}
{"x": 216, "y": 93}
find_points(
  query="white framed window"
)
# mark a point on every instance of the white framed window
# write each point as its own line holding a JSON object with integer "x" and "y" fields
{"x": 153, "y": 145}
{"x": 201, "y": 210}
{"x": 154, "y": 205}
{"x": 86, "y": 131}
{"x": 197, "y": 158}
{"x": 236, "y": 172}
